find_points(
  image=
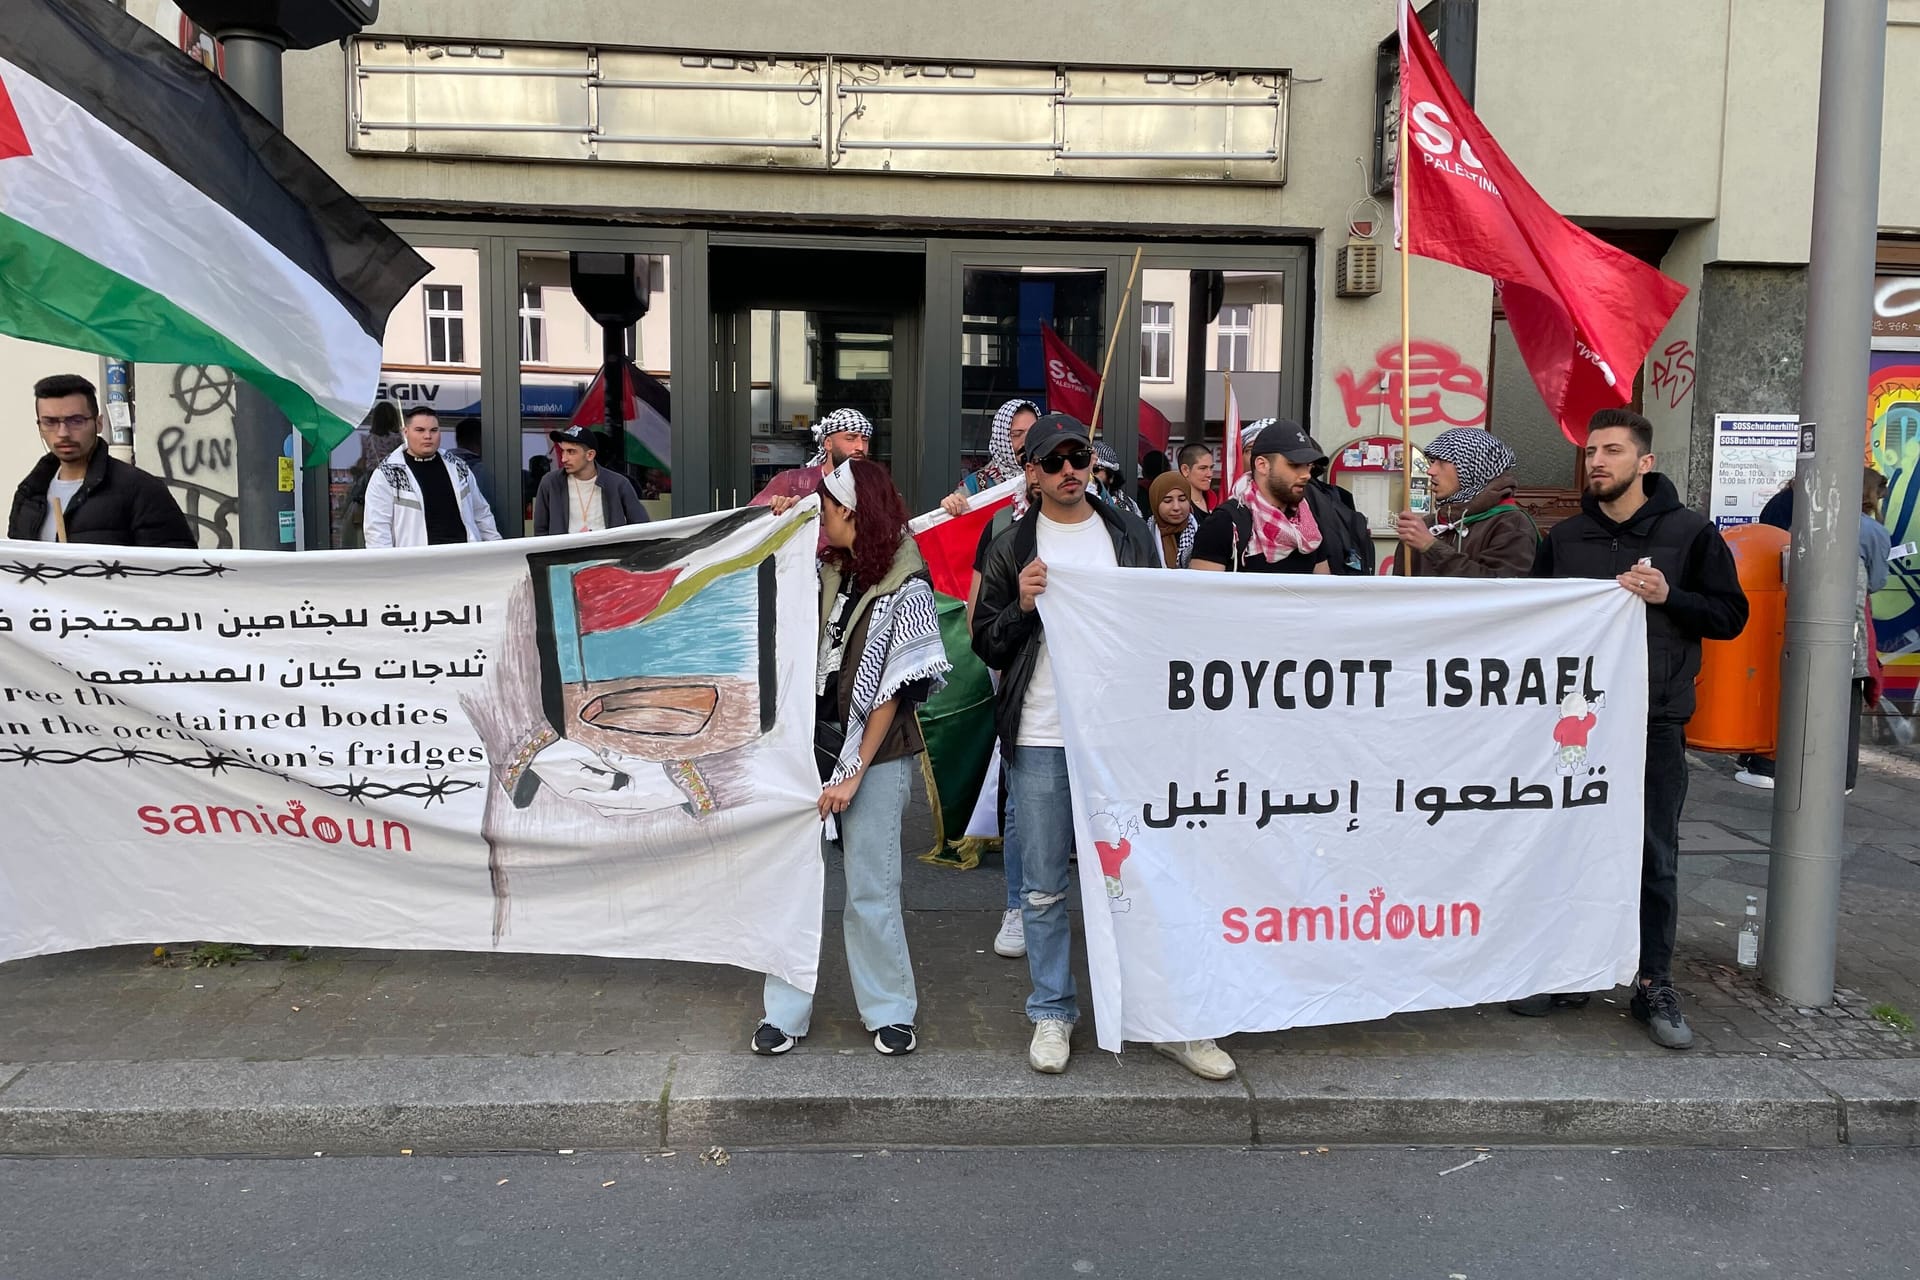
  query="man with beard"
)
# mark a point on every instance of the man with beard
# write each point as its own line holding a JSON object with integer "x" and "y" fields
{"x": 842, "y": 434}
{"x": 1633, "y": 529}
{"x": 1282, "y": 522}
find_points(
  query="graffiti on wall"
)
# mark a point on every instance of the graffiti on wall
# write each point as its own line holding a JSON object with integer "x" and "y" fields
{"x": 187, "y": 439}
{"x": 1893, "y": 449}
{"x": 1672, "y": 376}
{"x": 1441, "y": 389}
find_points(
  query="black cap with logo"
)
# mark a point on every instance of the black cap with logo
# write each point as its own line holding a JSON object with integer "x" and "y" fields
{"x": 1286, "y": 438}
{"x": 1052, "y": 431}
{"x": 585, "y": 437}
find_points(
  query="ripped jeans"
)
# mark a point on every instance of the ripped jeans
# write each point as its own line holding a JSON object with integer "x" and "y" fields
{"x": 1037, "y": 790}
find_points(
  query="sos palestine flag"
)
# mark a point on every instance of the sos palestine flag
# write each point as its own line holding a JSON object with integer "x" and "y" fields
{"x": 147, "y": 212}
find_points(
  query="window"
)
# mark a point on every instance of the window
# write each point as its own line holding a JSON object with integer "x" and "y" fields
{"x": 1156, "y": 341}
{"x": 533, "y": 325}
{"x": 1235, "y": 334}
{"x": 980, "y": 341}
{"x": 446, "y": 324}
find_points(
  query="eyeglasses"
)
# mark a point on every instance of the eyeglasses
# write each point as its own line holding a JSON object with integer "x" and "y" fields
{"x": 1079, "y": 460}
{"x": 72, "y": 422}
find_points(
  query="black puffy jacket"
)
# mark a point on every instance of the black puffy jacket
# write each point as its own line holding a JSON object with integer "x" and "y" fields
{"x": 1704, "y": 599}
{"x": 118, "y": 505}
{"x": 1007, "y": 637}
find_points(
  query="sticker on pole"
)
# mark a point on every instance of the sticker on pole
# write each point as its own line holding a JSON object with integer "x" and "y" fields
{"x": 1806, "y": 439}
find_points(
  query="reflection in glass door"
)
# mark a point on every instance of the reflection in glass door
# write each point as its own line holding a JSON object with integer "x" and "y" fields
{"x": 1006, "y": 317}
{"x": 801, "y": 366}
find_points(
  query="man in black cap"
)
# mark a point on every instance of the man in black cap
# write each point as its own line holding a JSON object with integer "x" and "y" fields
{"x": 1066, "y": 524}
{"x": 582, "y": 496}
{"x": 1284, "y": 523}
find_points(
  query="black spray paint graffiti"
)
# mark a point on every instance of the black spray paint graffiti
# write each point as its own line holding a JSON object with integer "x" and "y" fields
{"x": 197, "y": 456}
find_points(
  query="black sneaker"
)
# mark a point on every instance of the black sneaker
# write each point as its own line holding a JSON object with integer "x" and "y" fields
{"x": 1541, "y": 1005}
{"x": 1658, "y": 1005}
{"x": 769, "y": 1040}
{"x": 896, "y": 1039}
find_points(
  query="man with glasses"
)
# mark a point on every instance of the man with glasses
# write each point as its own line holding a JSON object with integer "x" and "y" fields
{"x": 1064, "y": 525}
{"x": 78, "y": 493}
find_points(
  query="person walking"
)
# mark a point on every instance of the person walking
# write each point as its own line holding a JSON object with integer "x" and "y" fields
{"x": 418, "y": 497}
{"x": 582, "y": 496}
{"x": 1632, "y": 528}
{"x": 1479, "y": 532}
{"x": 79, "y": 492}
{"x": 1065, "y": 525}
{"x": 880, "y": 656}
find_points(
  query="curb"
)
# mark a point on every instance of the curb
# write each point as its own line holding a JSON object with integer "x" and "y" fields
{"x": 657, "y": 1101}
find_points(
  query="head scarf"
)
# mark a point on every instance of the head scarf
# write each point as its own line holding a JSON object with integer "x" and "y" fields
{"x": 1175, "y": 548}
{"x": 1480, "y": 456}
{"x": 1243, "y": 485}
{"x": 850, "y": 420}
{"x": 839, "y": 483}
{"x": 1003, "y": 464}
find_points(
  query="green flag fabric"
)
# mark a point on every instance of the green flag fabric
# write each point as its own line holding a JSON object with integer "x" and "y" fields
{"x": 957, "y": 723}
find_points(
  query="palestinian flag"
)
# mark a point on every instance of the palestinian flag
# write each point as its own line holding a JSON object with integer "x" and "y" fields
{"x": 146, "y": 212}
{"x": 957, "y": 721}
{"x": 647, "y": 412}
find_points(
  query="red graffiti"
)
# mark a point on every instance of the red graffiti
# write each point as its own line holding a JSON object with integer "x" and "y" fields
{"x": 1441, "y": 388}
{"x": 1673, "y": 376}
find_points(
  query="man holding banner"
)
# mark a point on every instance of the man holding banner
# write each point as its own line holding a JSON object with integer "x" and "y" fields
{"x": 1065, "y": 526}
{"x": 1633, "y": 528}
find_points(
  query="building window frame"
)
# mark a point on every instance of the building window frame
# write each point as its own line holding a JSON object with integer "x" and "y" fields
{"x": 1156, "y": 342}
{"x": 533, "y": 324}
{"x": 1233, "y": 338}
{"x": 445, "y": 307}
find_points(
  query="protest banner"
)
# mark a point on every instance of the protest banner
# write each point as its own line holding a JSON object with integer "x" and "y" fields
{"x": 596, "y": 744}
{"x": 1340, "y": 799}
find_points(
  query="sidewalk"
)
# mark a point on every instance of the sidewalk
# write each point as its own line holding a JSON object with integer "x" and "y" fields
{"x": 345, "y": 1051}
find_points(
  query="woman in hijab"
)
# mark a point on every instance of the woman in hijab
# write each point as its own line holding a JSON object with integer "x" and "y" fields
{"x": 1010, "y": 423}
{"x": 1479, "y": 533}
{"x": 880, "y": 654}
{"x": 1172, "y": 506}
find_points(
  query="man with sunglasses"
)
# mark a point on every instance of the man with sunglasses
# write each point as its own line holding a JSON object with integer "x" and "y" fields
{"x": 1065, "y": 524}
{"x": 77, "y": 493}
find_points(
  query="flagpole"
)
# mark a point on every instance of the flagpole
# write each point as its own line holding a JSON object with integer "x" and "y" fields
{"x": 1402, "y": 554}
{"x": 1113, "y": 336}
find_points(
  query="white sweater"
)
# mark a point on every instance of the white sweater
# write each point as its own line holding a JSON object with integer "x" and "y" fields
{"x": 395, "y": 516}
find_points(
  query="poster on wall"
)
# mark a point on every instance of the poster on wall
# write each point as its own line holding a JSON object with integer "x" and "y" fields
{"x": 1893, "y": 449}
{"x": 1753, "y": 458}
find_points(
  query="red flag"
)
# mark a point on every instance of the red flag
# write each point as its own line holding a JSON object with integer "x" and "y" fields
{"x": 1235, "y": 460}
{"x": 947, "y": 543}
{"x": 1583, "y": 313}
{"x": 1072, "y": 385}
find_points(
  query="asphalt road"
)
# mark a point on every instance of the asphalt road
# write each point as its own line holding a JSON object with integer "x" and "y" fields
{"x": 1064, "y": 1213}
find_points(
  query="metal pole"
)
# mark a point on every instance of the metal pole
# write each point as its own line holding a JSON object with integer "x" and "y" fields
{"x": 269, "y": 517}
{"x": 1803, "y": 877}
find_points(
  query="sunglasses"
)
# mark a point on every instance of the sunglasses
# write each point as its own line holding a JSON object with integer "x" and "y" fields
{"x": 1079, "y": 460}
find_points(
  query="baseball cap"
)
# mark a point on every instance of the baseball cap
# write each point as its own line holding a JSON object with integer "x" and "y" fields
{"x": 1050, "y": 432}
{"x": 1286, "y": 438}
{"x": 586, "y": 437}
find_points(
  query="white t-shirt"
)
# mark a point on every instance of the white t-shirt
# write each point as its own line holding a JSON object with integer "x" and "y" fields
{"x": 1089, "y": 543}
{"x": 585, "y": 510}
{"x": 59, "y": 494}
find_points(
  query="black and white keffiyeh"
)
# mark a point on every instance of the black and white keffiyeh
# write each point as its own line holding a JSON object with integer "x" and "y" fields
{"x": 1480, "y": 457}
{"x": 903, "y": 645}
{"x": 839, "y": 420}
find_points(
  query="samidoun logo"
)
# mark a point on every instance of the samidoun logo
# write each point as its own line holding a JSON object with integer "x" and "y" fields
{"x": 1433, "y": 134}
{"x": 1059, "y": 373}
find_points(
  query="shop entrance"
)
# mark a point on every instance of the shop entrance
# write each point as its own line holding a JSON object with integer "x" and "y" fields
{"x": 800, "y": 332}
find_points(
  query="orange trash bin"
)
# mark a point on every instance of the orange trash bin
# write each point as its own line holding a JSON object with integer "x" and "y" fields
{"x": 1737, "y": 693}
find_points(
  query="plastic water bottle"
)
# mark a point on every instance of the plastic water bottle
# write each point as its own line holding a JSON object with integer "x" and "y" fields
{"x": 1747, "y": 950}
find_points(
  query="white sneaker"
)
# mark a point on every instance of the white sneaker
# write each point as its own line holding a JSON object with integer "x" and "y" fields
{"x": 1049, "y": 1049}
{"x": 1011, "y": 941}
{"x": 1759, "y": 780}
{"x": 1202, "y": 1057}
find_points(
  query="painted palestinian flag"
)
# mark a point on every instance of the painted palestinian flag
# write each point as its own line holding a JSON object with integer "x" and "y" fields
{"x": 146, "y": 212}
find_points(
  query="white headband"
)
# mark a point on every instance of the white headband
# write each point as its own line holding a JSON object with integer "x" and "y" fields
{"x": 839, "y": 483}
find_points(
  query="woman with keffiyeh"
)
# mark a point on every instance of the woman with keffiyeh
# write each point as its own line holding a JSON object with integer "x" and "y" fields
{"x": 880, "y": 655}
{"x": 1480, "y": 533}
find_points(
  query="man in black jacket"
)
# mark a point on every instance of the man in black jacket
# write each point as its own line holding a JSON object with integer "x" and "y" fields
{"x": 1632, "y": 528}
{"x": 78, "y": 493}
{"x": 1065, "y": 525}
{"x": 1284, "y": 520}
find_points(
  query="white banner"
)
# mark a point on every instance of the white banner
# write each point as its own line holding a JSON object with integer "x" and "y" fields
{"x": 597, "y": 744}
{"x": 1335, "y": 800}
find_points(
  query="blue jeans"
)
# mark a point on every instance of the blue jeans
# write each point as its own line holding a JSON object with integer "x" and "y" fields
{"x": 1037, "y": 788}
{"x": 1009, "y": 851}
{"x": 875, "y": 929}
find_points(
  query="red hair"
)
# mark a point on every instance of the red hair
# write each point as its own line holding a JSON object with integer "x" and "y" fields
{"x": 879, "y": 522}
